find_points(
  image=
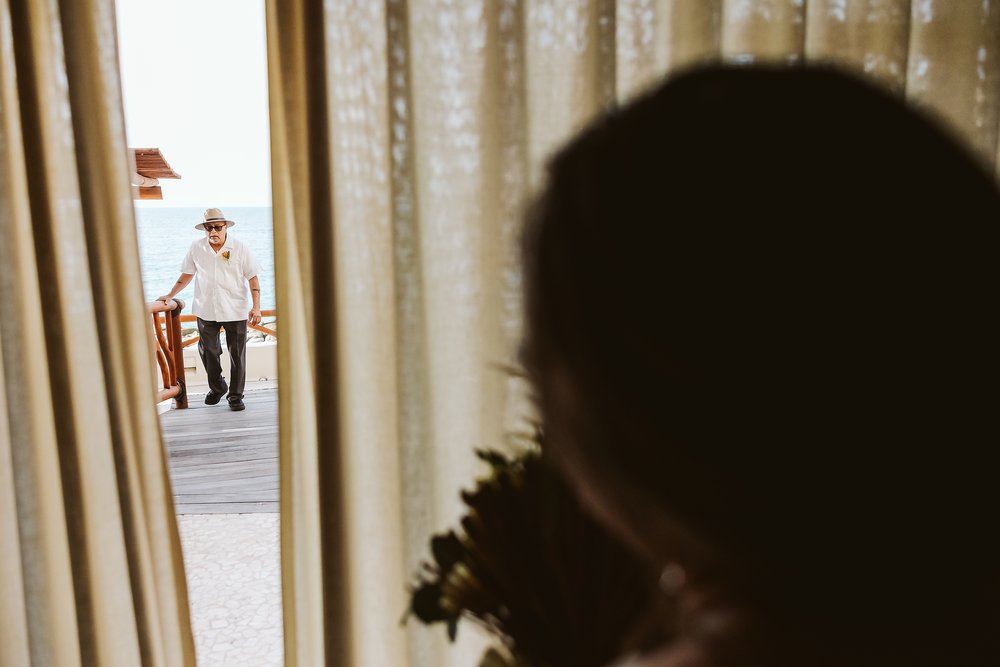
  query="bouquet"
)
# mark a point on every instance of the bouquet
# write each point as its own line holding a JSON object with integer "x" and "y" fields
{"x": 552, "y": 586}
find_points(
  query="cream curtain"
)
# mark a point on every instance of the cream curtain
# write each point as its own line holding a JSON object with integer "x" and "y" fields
{"x": 406, "y": 135}
{"x": 90, "y": 572}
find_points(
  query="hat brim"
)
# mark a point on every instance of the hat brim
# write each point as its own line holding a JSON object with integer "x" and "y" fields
{"x": 201, "y": 225}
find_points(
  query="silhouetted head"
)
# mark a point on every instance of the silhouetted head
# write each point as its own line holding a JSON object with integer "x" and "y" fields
{"x": 760, "y": 322}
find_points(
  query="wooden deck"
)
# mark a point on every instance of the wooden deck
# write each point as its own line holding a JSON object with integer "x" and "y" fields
{"x": 224, "y": 462}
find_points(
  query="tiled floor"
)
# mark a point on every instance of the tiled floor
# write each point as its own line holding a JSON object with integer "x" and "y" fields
{"x": 234, "y": 582}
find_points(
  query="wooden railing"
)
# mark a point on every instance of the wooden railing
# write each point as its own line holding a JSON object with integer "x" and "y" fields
{"x": 259, "y": 327}
{"x": 166, "y": 316}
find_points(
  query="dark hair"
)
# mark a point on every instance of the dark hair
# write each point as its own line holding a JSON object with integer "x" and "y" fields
{"x": 770, "y": 295}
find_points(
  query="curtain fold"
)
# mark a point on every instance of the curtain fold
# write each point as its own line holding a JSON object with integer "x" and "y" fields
{"x": 692, "y": 33}
{"x": 959, "y": 79}
{"x": 657, "y": 36}
{"x": 14, "y": 648}
{"x": 869, "y": 35}
{"x": 406, "y": 136}
{"x": 102, "y": 580}
{"x": 308, "y": 406}
{"x": 763, "y": 30}
{"x": 569, "y": 69}
{"x": 34, "y": 502}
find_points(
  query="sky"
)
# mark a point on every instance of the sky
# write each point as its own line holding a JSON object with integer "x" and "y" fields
{"x": 194, "y": 79}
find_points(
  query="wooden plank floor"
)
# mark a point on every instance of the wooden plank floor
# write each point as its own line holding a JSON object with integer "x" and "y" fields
{"x": 223, "y": 461}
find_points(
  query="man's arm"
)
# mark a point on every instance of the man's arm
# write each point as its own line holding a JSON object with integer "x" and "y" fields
{"x": 181, "y": 283}
{"x": 254, "y": 317}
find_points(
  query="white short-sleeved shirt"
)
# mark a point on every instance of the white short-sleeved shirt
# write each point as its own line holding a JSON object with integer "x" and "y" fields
{"x": 220, "y": 279}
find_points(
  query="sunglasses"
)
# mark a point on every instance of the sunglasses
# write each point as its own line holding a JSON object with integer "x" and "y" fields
{"x": 213, "y": 228}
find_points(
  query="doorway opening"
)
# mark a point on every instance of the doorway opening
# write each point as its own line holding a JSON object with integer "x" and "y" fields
{"x": 194, "y": 81}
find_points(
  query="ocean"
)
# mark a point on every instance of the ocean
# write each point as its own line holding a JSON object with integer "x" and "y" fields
{"x": 166, "y": 233}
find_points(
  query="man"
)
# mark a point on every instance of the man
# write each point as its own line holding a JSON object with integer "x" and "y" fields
{"x": 224, "y": 266}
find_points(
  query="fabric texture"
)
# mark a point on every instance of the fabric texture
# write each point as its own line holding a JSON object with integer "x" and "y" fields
{"x": 90, "y": 561}
{"x": 406, "y": 137}
{"x": 221, "y": 292}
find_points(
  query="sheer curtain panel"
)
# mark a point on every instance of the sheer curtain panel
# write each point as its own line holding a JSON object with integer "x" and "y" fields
{"x": 406, "y": 136}
{"x": 91, "y": 571}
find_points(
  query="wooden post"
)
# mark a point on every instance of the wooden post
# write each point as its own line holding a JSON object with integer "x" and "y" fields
{"x": 177, "y": 349}
{"x": 169, "y": 350}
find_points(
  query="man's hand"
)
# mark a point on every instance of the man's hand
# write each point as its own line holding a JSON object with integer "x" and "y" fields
{"x": 164, "y": 299}
{"x": 254, "y": 317}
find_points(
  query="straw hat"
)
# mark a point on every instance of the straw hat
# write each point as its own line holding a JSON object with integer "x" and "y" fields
{"x": 214, "y": 215}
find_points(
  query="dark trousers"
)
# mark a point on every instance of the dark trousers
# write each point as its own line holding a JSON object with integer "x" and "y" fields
{"x": 210, "y": 349}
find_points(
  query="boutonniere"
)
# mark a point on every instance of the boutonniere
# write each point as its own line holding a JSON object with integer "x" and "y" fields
{"x": 226, "y": 255}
